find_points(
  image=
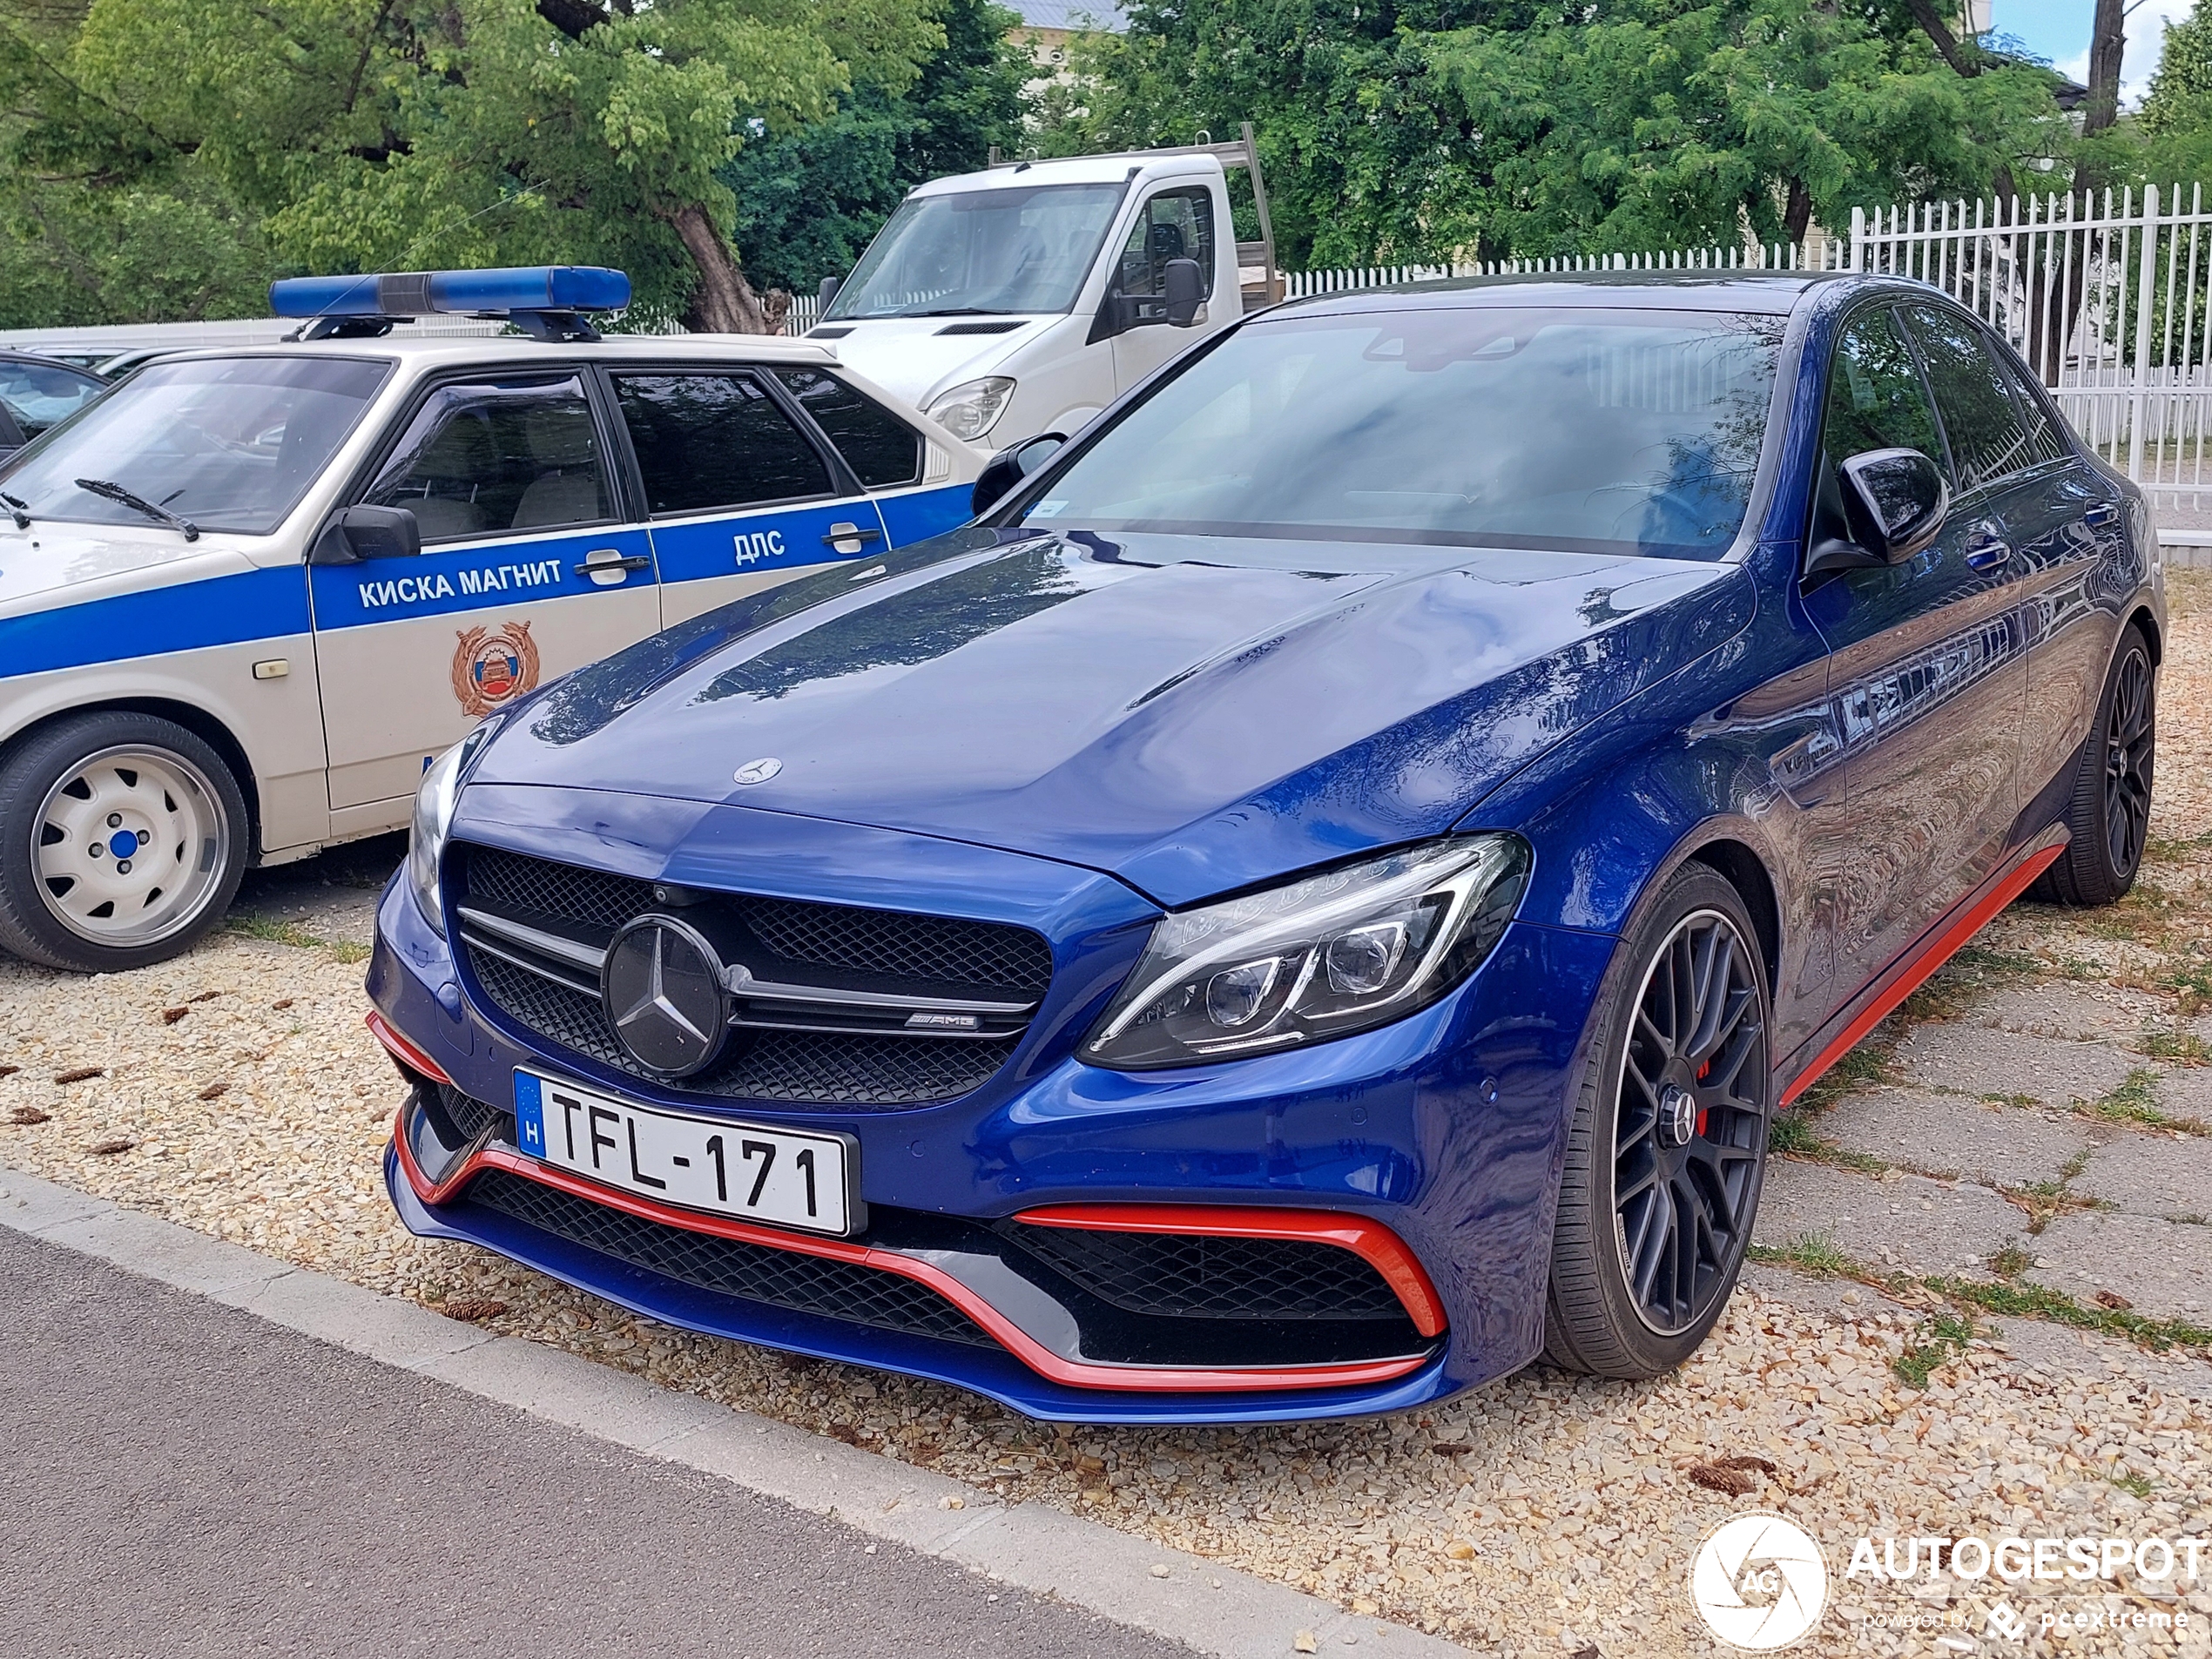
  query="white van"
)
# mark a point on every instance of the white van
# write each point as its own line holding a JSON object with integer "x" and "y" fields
{"x": 1024, "y": 299}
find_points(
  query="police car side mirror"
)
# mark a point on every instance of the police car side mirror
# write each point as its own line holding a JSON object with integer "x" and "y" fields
{"x": 1009, "y": 466}
{"x": 365, "y": 532}
{"x": 1184, "y": 284}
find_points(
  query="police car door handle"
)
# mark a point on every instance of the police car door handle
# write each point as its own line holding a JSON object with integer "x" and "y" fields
{"x": 840, "y": 534}
{"x": 608, "y": 559}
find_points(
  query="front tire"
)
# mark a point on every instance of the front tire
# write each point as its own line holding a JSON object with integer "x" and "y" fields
{"x": 2109, "y": 809}
{"x": 1667, "y": 1152}
{"x": 123, "y": 838}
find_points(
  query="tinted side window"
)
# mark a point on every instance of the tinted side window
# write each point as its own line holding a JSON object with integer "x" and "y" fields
{"x": 1875, "y": 398}
{"x": 709, "y": 440}
{"x": 37, "y": 396}
{"x": 1987, "y": 439}
{"x": 489, "y": 456}
{"x": 879, "y": 447}
{"x": 2045, "y": 440}
{"x": 1174, "y": 225}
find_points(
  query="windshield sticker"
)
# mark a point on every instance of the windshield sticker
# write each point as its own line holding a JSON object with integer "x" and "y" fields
{"x": 1048, "y": 509}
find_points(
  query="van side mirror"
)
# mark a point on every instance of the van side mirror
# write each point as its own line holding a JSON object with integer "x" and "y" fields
{"x": 367, "y": 532}
{"x": 1185, "y": 285}
{"x": 1894, "y": 500}
{"x": 1009, "y": 466}
{"x": 828, "y": 293}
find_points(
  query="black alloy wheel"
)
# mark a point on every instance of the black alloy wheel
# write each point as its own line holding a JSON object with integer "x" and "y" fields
{"x": 1666, "y": 1152}
{"x": 2109, "y": 812}
{"x": 2129, "y": 739}
{"x": 1692, "y": 1127}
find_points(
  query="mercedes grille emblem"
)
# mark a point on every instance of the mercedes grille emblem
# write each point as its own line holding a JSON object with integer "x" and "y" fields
{"x": 662, "y": 986}
{"x": 758, "y": 771}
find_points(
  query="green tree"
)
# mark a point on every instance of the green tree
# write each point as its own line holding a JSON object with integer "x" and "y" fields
{"x": 808, "y": 201}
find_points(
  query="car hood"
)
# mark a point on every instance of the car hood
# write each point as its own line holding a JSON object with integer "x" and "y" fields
{"x": 53, "y": 555}
{"x": 1191, "y": 714}
{"x": 913, "y": 358}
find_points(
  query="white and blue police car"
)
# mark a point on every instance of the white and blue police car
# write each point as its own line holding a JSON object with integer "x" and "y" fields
{"x": 245, "y": 596}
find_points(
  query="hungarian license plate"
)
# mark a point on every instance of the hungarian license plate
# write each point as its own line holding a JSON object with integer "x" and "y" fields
{"x": 726, "y": 1169}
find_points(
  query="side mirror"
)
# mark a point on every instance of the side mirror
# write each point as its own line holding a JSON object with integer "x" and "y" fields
{"x": 365, "y": 532}
{"x": 1009, "y": 466}
{"x": 827, "y": 292}
{"x": 1185, "y": 285}
{"x": 1894, "y": 500}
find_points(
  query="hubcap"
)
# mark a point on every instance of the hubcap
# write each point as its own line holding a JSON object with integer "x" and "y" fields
{"x": 129, "y": 846}
{"x": 1692, "y": 1123}
{"x": 2130, "y": 735}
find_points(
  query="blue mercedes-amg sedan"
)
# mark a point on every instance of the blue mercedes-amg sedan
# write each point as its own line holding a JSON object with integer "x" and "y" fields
{"x": 1314, "y": 898}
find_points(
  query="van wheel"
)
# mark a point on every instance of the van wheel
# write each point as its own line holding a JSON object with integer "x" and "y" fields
{"x": 122, "y": 840}
{"x": 2109, "y": 809}
{"x": 1666, "y": 1151}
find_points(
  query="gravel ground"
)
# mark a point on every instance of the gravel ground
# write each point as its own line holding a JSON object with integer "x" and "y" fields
{"x": 236, "y": 1091}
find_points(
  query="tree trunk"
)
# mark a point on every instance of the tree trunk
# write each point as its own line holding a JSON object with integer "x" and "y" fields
{"x": 723, "y": 302}
{"x": 1797, "y": 211}
{"x": 2108, "y": 41}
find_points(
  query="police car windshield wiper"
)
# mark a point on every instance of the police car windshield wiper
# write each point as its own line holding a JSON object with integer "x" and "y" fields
{"x": 138, "y": 504}
{"x": 18, "y": 510}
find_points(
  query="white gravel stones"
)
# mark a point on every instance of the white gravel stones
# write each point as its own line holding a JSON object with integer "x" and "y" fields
{"x": 1973, "y": 1059}
{"x": 1910, "y": 1223}
{"x": 1957, "y": 1134}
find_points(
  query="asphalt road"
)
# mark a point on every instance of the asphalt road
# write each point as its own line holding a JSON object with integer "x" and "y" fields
{"x": 183, "y": 1479}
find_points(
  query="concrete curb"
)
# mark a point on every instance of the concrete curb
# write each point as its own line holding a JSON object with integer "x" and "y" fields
{"x": 1214, "y": 1609}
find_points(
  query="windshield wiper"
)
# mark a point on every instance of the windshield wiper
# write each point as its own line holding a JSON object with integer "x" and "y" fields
{"x": 18, "y": 510}
{"x": 952, "y": 311}
{"x": 138, "y": 504}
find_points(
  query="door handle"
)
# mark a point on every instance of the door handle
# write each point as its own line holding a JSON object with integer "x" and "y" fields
{"x": 1987, "y": 551}
{"x": 840, "y": 534}
{"x": 597, "y": 563}
{"x": 2101, "y": 514}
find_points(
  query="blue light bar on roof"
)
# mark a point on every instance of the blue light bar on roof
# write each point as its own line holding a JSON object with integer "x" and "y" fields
{"x": 420, "y": 293}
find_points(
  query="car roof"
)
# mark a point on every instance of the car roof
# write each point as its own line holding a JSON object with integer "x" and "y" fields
{"x": 39, "y": 359}
{"x": 1775, "y": 293}
{"x": 465, "y": 350}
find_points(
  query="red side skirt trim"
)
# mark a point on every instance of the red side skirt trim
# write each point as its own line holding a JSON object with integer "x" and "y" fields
{"x": 1928, "y": 956}
{"x": 1382, "y": 1248}
{"x": 1161, "y": 1380}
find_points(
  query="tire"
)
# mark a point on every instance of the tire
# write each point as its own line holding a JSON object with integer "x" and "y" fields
{"x": 2110, "y": 809}
{"x": 1688, "y": 1149}
{"x": 72, "y": 895}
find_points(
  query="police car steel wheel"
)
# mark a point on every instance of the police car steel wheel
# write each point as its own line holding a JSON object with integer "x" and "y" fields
{"x": 124, "y": 841}
{"x": 1667, "y": 1154}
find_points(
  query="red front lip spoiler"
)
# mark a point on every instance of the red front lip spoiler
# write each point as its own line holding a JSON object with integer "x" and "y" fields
{"x": 1374, "y": 1241}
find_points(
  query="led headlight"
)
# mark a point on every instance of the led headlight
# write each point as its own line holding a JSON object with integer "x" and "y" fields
{"x": 972, "y": 407}
{"x": 433, "y": 804}
{"x": 1322, "y": 957}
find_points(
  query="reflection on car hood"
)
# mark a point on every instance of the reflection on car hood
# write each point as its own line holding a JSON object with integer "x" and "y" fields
{"x": 1192, "y": 714}
{"x": 52, "y": 555}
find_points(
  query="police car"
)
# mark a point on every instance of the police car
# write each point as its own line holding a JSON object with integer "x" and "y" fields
{"x": 245, "y": 596}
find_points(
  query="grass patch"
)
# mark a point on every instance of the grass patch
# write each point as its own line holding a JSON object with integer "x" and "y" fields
{"x": 291, "y": 933}
{"x": 2025, "y": 1102}
{"x": 2011, "y": 1262}
{"x": 1941, "y": 1340}
{"x": 2136, "y": 1485}
{"x": 2182, "y": 1047}
{"x": 1808, "y": 1253}
{"x": 2134, "y": 1102}
{"x": 2034, "y": 1301}
{"x": 1791, "y": 1133}
{"x": 1861, "y": 1067}
{"x": 1992, "y": 960}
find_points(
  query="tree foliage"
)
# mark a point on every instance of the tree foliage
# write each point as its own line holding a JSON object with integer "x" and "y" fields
{"x": 1400, "y": 131}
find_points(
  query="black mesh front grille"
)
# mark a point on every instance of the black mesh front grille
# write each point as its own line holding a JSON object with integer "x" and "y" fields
{"x": 1178, "y": 1275}
{"x": 470, "y": 1115}
{"x": 862, "y": 1070}
{"x": 782, "y": 1279}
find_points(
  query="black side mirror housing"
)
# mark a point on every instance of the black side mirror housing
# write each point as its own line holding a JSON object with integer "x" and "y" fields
{"x": 1894, "y": 502}
{"x": 365, "y": 532}
{"x": 1009, "y": 466}
{"x": 827, "y": 292}
{"x": 1185, "y": 285}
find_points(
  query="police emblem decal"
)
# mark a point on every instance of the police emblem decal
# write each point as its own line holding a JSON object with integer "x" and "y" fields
{"x": 490, "y": 668}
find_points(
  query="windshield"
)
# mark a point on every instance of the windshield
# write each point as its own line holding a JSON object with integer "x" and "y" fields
{"x": 230, "y": 444}
{"x": 38, "y": 394}
{"x": 980, "y": 251}
{"x": 1579, "y": 429}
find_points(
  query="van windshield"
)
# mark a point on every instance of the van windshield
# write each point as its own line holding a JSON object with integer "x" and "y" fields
{"x": 980, "y": 252}
{"x": 1576, "y": 428}
{"x": 230, "y": 444}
